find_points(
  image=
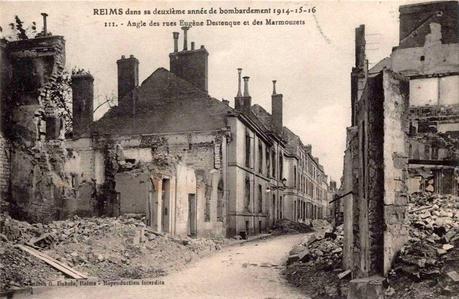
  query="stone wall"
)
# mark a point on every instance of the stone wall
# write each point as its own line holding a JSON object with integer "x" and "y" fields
{"x": 395, "y": 165}
{"x": 375, "y": 171}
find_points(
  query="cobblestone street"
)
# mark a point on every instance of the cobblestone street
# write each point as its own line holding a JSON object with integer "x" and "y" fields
{"x": 250, "y": 270}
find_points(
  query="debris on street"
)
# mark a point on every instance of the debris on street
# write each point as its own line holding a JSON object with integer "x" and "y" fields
{"x": 285, "y": 226}
{"x": 317, "y": 261}
{"x": 106, "y": 248}
{"x": 428, "y": 264}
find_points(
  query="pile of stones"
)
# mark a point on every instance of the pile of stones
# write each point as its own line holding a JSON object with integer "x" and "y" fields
{"x": 432, "y": 252}
{"x": 323, "y": 248}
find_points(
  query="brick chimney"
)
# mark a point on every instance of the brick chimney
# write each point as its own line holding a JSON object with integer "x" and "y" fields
{"x": 276, "y": 110}
{"x": 83, "y": 104}
{"x": 190, "y": 65}
{"x": 360, "y": 46}
{"x": 358, "y": 73}
{"x": 128, "y": 76}
{"x": 242, "y": 101}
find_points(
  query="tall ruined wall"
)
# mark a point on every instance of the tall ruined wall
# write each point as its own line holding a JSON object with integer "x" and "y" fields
{"x": 368, "y": 180}
{"x": 349, "y": 183}
{"x": 39, "y": 185}
{"x": 375, "y": 171}
{"x": 395, "y": 165}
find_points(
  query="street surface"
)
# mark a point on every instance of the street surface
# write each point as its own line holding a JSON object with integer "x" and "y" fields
{"x": 250, "y": 270}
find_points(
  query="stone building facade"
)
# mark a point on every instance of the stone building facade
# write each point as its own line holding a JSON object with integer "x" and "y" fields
{"x": 307, "y": 187}
{"x": 191, "y": 164}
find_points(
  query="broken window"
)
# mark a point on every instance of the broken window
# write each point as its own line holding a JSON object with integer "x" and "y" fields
{"x": 247, "y": 194}
{"x": 260, "y": 199}
{"x": 220, "y": 194}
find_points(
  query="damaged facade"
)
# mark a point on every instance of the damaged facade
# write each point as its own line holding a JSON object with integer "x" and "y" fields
{"x": 190, "y": 163}
{"x": 404, "y": 125}
{"x": 33, "y": 147}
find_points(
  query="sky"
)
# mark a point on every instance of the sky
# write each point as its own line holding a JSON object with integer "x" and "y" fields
{"x": 311, "y": 62}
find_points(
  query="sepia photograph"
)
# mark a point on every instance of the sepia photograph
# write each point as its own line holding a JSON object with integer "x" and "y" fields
{"x": 229, "y": 149}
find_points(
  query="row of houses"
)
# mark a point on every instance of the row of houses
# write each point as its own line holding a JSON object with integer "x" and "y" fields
{"x": 192, "y": 164}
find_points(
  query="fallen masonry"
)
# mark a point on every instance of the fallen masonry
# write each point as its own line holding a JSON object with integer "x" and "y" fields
{"x": 285, "y": 226}
{"x": 318, "y": 261}
{"x": 426, "y": 267}
{"x": 428, "y": 264}
{"x": 104, "y": 248}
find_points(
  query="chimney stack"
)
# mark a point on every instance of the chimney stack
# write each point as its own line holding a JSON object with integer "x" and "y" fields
{"x": 191, "y": 66}
{"x": 246, "y": 86}
{"x": 243, "y": 102}
{"x": 360, "y": 47}
{"x": 83, "y": 104}
{"x": 277, "y": 111}
{"x": 128, "y": 76}
{"x": 185, "y": 38}
{"x": 176, "y": 37}
{"x": 45, "y": 26}
{"x": 239, "y": 92}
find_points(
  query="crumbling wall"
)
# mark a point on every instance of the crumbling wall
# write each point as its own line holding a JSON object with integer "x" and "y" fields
{"x": 39, "y": 185}
{"x": 368, "y": 176}
{"x": 347, "y": 185}
{"x": 395, "y": 165}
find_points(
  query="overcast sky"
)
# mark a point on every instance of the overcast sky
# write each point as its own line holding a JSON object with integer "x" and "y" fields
{"x": 311, "y": 62}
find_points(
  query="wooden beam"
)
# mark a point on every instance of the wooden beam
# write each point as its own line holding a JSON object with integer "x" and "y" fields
{"x": 52, "y": 262}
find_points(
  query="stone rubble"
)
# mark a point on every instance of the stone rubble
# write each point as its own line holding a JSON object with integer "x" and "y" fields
{"x": 317, "y": 261}
{"x": 429, "y": 262}
{"x": 106, "y": 248}
{"x": 285, "y": 226}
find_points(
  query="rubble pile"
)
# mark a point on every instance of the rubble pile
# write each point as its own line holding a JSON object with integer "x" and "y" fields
{"x": 107, "y": 248}
{"x": 429, "y": 262}
{"x": 317, "y": 261}
{"x": 18, "y": 269}
{"x": 285, "y": 226}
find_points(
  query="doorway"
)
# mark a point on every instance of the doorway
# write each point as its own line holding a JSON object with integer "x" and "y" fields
{"x": 192, "y": 219}
{"x": 165, "y": 199}
{"x": 151, "y": 205}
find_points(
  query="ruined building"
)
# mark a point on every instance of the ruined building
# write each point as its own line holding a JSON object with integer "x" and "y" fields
{"x": 404, "y": 124}
{"x": 33, "y": 153}
{"x": 190, "y": 163}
